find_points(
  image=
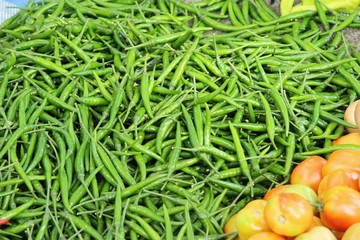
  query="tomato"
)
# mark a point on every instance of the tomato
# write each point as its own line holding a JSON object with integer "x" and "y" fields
{"x": 275, "y": 191}
{"x": 316, "y": 233}
{"x": 350, "y": 138}
{"x": 304, "y": 191}
{"x": 342, "y": 159}
{"x": 266, "y": 235}
{"x": 308, "y": 172}
{"x": 341, "y": 208}
{"x": 250, "y": 219}
{"x": 352, "y": 233}
{"x": 288, "y": 214}
{"x": 346, "y": 177}
{"x": 316, "y": 222}
{"x": 230, "y": 227}
{"x": 301, "y": 189}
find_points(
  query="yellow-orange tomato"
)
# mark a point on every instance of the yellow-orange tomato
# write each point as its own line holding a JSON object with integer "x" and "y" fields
{"x": 266, "y": 235}
{"x": 250, "y": 219}
{"x": 316, "y": 233}
{"x": 308, "y": 172}
{"x": 230, "y": 227}
{"x": 352, "y": 233}
{"x": 342, "y": 159}
{"x": 346, "y": 177}
{"x": 316, "y": 222}
{"x": 288, "y": 214}
{"x": 350, "y": 138}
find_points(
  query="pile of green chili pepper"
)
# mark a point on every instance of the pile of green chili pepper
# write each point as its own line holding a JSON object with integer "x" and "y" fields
{"x": 161, "y": 119}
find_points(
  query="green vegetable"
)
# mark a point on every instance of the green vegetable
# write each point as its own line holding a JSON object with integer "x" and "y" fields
{"x": 150, "y": 119}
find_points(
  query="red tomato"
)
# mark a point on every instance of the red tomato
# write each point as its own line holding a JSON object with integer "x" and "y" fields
{"x": 288, "y": 214}
{"x": 350, "y": 138}
{"x": 352, "y": 233}
{"x": 346, "y": 177}
{"x": 341, "y": 208}
{"x": 316, "y": 233}
{"x": 250, "y": 219}
{"x": 230, "y": 227}
{"x": 342, "y": 159}
{"x": 308, "y": 172}
{"x": 266, "y": 235}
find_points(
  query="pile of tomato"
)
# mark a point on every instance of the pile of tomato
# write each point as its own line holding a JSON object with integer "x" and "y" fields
{"x": 321, "y": 201}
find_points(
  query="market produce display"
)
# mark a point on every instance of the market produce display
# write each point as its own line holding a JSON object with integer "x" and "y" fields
{"x": 163, "y": 119}
{"x": 317, "y": 208}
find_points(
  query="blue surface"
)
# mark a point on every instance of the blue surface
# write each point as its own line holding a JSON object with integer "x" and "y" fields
{"x": 6, "y": 10}
{"x": 18, "y": 2}
{"x": 9, "y": 8}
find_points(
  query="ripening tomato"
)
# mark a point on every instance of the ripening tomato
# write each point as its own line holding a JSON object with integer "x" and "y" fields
{"x": 275, "y": 191}
{"x": 266, "y": 235}
{"x": 352, "y": 233}
{"x": 346, "y": 177}
{"x": 301, "y": 189}
{"x": 316, "y": 222}
{"x": 350, "y": 138}
{"x": 308, "y": 172}
{"x": 342, "y": 159}
{"x": 230, "y": 227}
{"x": 341, "y": 208}
{"x": 316, "y": 233}
{"x": 250, "y": 219}
{"x": 304, "y": 191}
{"x": 288, "y": 214}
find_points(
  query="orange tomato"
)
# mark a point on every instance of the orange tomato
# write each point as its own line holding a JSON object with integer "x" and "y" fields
{"x": 275, "y": 191}
{"x": 266, "y": 235}
{"x": 288, "y": 214}
{"x": 250, "y": 219}
{"x": 308, "y": 172}
{"x": 316, "y": 233}
{"x": 230, "y": 227}
{"x": 352, "y": 233}
{"x": 341, "y": 208}
{"x": 342, "y": 159}
{"x": 350, "y": 138}
{"x": 346, "y": 177}
{"x": 316, "y": 222}
{"x": 301, "y": 189}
